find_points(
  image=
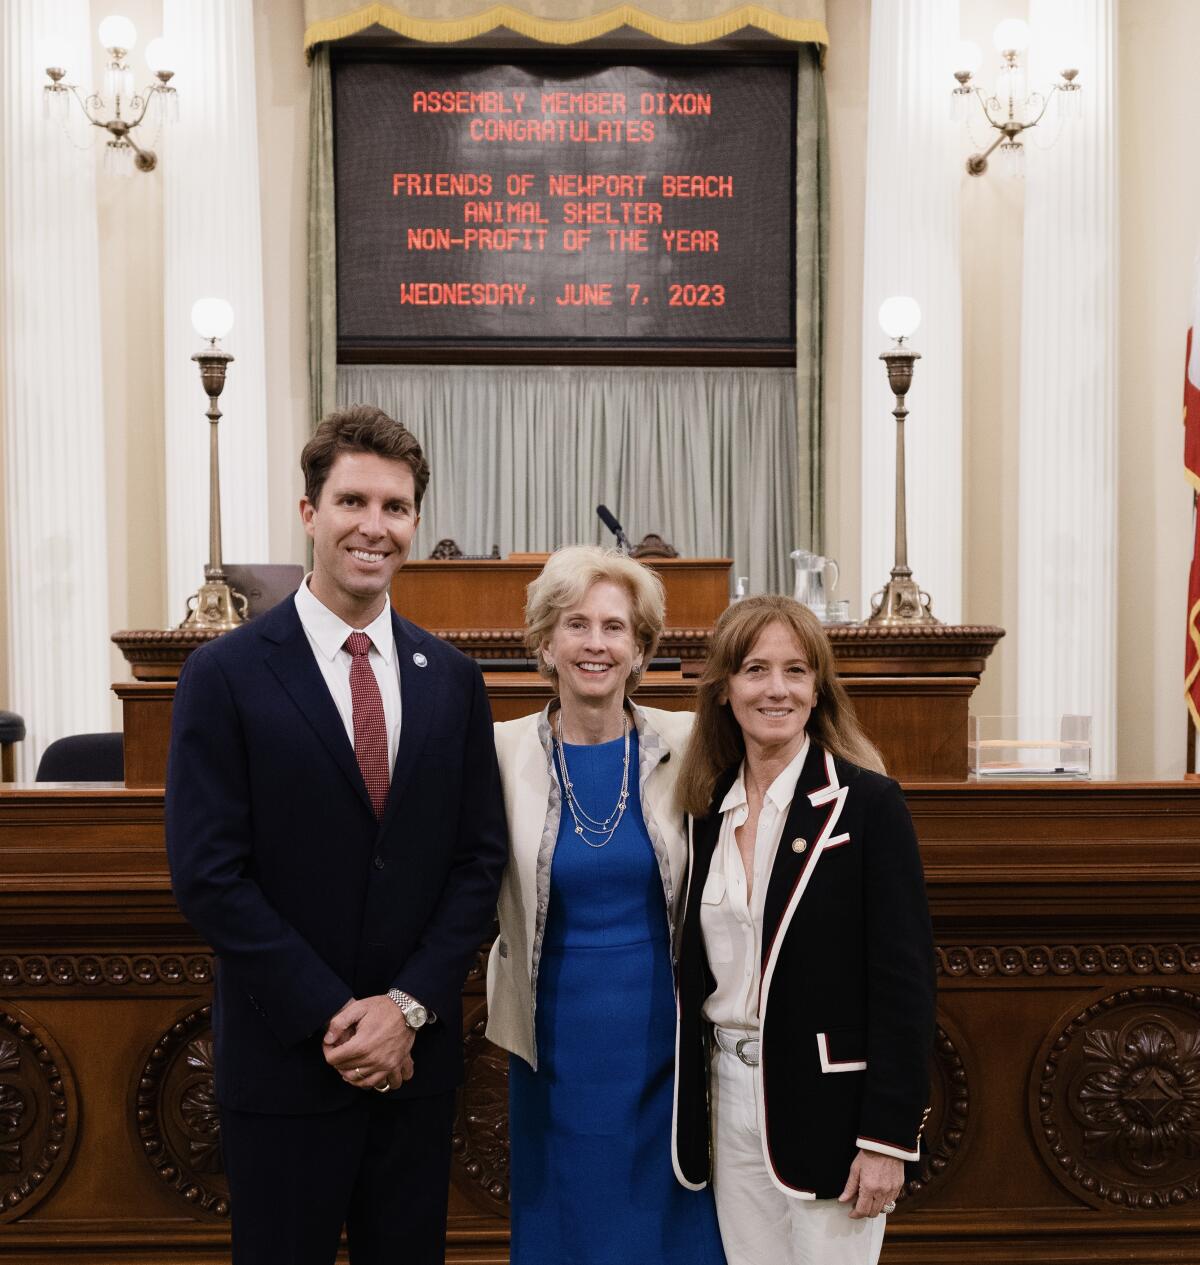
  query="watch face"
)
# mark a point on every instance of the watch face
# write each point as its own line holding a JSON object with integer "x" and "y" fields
{"x": 416, "y": 1016}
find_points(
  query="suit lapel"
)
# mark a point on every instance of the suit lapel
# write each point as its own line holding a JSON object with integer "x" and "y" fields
{"x": 294, "y": 664}
{"x": 811, "y": 822}
{"x": 420, "y": 689}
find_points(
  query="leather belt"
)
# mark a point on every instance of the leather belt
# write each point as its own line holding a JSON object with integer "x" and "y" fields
{"x": 742, "y": 1045}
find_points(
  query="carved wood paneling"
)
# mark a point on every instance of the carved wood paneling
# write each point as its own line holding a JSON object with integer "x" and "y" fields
{"x": 1009, "y": 960}
{"x": 949, "y": 1121}
{"x": 39, "y": 1112}
{"x": 177, "y": 1120}
{"x": 480, "y": 1141}
{"x": 1115, "y": 1100}
{"x": 37, "y": 970}
{"x": 1046, "y": 901}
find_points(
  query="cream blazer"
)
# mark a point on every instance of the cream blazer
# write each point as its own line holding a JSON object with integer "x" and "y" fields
{"x": 533, "y": 805}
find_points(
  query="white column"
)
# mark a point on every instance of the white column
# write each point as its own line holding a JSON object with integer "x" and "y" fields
{"x": 54, "y": 487}
{"x": 912, "y": 247}
{"x": 212, "y": 245}
{"x": 1066, "y": 523}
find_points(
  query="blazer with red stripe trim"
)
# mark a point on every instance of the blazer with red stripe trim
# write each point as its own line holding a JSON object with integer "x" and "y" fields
{"x": 848, "y": 989}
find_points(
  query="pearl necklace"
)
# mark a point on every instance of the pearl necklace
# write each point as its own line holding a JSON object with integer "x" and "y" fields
{"x": 584, "y": 824}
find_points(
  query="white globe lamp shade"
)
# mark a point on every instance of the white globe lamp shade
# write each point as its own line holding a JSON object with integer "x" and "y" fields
{"x": 212, "y": 318}
{"x": 118, "y": 32}
{"x": 967, "y": 56}
{"x": 159, "y": 55}
{"x": 899, "y": 316}
{"x": 1011, "y": 36}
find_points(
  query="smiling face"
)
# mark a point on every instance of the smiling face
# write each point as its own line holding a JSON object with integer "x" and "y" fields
{"x": 772, "y": 693}
{"x": 361, "y": 528}
{"x": 592, "y": 647}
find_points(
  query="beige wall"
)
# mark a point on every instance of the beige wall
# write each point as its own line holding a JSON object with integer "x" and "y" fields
{"x": 1159, "y": 193}
{"x": 283, "y": 166}
{"x": 131, "y": 277}
{"x": 846, "y": 96}
{"x": 1159, "y": 101}
{"x": 992, "y": 231}
{"x": 1160, "y": 232}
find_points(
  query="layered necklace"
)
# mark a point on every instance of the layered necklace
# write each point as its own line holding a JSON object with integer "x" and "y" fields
{"x": 586, "y": 825}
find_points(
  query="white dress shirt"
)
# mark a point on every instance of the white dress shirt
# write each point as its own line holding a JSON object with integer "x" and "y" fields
{"x": 327, "y": 635}
{"x": 731, "y": 921}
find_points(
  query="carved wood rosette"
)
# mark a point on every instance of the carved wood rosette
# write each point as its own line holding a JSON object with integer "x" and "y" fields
{"x": 39, "y": 1113}
{"x": 1115, "y": 1101}
{"x": 177, "y": 1119}
{"x": 949, "y": 1121}
{"x": 480, "y": 1139}
{"x": 1009, "y": 960}
{"x": 98, "y": 970}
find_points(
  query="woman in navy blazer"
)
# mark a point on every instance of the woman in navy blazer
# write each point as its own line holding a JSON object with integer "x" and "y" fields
{"x": 806, "y": 982}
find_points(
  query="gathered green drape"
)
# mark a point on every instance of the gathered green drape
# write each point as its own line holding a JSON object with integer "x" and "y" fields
{"x": 322, "y": 244}
{"x": 521, "y": 457}
{"x": 812, "y": 256}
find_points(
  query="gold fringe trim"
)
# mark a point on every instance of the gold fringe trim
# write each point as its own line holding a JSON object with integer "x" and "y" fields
{"x": 573, "y": 31}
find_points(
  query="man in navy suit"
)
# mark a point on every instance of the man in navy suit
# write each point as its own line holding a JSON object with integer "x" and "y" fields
{"x": 336, "y": 832}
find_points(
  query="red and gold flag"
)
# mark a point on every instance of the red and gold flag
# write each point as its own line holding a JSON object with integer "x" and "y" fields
{"x": 1191, "y": 464}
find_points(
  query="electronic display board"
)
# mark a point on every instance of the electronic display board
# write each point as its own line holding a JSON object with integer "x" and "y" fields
{"x": 555, "y": 203}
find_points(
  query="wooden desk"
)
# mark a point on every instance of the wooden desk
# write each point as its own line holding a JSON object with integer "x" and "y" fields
{"x": 911, "y": 691}
{"x": 911, "y": 686}
{"x": 514, "y": 694}
{"x": 1066, "y": 1102}
{"x": 479, "y": 605}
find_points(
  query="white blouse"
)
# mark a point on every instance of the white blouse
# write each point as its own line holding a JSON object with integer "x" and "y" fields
{"x": 732, "y": 923}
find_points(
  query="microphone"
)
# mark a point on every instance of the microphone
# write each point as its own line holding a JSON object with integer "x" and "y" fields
{"x": 608, "y": 519}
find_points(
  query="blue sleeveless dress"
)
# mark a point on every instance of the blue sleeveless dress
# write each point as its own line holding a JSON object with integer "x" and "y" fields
{"x": 590, "y": 1130}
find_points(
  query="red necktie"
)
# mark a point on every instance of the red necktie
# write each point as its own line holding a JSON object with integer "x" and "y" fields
{"x": 370, "y": 727}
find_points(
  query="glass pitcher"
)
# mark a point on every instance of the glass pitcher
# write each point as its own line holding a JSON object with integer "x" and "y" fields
{"x": 814, "y": 583}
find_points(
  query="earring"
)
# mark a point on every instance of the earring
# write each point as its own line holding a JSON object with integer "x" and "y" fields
{"x": 549, "y": 664}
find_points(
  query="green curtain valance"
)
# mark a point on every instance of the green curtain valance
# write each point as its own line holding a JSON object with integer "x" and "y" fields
{"x": 566, "y": 21}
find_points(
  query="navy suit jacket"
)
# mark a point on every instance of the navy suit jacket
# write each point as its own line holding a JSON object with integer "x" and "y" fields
{"x": 278, "y": 861}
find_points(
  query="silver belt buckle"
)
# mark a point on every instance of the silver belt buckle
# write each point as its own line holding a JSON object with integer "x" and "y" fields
{"x": 738, "y": 1049}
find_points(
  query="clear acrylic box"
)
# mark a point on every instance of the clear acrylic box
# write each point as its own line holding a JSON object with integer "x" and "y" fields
{"x": 1030, "y": 746}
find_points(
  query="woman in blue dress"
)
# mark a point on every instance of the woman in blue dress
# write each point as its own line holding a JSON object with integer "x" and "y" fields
{"x": 580, "y": 979}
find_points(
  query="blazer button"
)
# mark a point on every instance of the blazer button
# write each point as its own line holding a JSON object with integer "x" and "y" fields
{"x": 379, "y": 863}
{"x": 799, "y": 845}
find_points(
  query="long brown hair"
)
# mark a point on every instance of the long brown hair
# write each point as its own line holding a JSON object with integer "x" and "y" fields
{"x": 717, "y": 744}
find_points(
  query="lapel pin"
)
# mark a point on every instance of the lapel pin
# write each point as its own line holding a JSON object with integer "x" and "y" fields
{"x": 419, "y": 659}
{"x": 798, "y": 845}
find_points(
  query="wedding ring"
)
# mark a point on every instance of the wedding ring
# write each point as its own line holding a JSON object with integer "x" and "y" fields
{"x": 890, "y": 1206}
{"x": 382, "y": 1089}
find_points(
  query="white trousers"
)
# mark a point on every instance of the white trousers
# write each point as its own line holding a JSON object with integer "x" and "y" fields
{"x": 760, "y": 1225}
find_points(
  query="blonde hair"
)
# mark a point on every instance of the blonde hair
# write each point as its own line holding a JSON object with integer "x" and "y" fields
{"x": 716, "y": 744}
{"x": 568, "y": 574}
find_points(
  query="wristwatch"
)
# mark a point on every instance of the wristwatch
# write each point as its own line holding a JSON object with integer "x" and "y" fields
{"x": 415, "y": 1015}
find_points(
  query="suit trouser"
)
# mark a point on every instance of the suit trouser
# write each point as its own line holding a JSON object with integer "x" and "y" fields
{"x": 760, "y": 1225}
{"x": 381, "y": 1168}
